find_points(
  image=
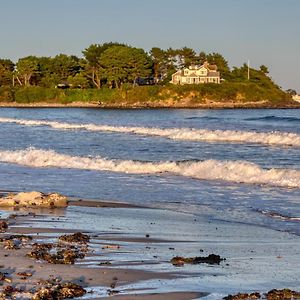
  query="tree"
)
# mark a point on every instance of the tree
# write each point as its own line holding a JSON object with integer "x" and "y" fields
{"x": 79, "y": 80}
{"x": 160, "y": 63}
{"x": 64, "y": 66}
{"x": 220, "y": 62}
{"x": 291, "y": 92}
{"x": 26, "y": 68}
{"x": 186, "y": 57}
{"x": 6, "y": 71}
{"x": 124, "y": 64}
{"x": 92, "y": 66}
{"x": 202, "y": 58}
{"x": 264, "y": 69}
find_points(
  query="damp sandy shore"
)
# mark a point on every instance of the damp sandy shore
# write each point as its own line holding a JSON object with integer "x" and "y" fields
{"x": 132, "y": 246}
{"x": 14, "y": 261}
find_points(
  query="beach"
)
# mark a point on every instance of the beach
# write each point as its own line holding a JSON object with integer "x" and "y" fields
{"x": 196, "y": 184}
{"x": 134, "y": 254}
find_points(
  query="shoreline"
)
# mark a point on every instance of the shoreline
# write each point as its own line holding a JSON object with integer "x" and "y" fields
{"x": 214, "y": 105}
{"x": 136, "y": 262}
{"x": 108, "y": 279}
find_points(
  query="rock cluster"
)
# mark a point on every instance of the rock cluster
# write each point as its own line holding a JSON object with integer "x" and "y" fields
{"x": 49, "y": 289}
{"x": 34, "y": 199}
{"x": 285, "y": 294}
{"x": 73, "y": 247}
{"x": 210, "y": 259}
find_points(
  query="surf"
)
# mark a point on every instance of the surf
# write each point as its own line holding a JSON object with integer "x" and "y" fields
{"x": 275, "y": 138}
{"x": 231, "y": 171}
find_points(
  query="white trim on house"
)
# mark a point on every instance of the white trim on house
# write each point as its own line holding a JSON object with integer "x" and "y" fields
{"x": 197, "y": 75}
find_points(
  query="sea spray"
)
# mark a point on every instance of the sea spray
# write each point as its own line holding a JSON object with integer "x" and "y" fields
{"x": 233, "y": 171}
{"x": 189, "y": 134}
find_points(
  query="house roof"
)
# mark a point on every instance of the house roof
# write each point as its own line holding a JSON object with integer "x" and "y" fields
{"x": 192, "y": 75}
{"x": 213, "y": 74}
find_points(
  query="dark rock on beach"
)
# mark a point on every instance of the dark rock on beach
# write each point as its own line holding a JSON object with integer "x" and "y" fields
{"x": 243, "y": 296}
{"x": 211, "y": 259}
{"x": 285, "y": 294}
{"x": 77, "y": 237}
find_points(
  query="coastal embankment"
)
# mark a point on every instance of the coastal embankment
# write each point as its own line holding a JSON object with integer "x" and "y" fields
{"x": 225, "y": 95}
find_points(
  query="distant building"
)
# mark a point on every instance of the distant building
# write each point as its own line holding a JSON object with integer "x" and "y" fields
{"x": 197, "y": 75}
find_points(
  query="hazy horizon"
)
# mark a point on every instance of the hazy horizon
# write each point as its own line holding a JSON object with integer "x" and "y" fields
{"x": 263, "y": 31}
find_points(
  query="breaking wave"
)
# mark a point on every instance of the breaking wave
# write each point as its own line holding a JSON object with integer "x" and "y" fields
{"x": 189, "y": 134}
{"x": 233, "y": 171}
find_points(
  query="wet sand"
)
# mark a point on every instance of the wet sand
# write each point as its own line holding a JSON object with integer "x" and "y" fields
{"x": 14, "y": 261}
{"x": 131, "y": 246}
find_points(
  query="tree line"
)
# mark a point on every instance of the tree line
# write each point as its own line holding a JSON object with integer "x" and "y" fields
{"x": 112, "y": 65}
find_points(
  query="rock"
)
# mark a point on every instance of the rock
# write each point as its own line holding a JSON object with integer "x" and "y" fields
{"x": 285, "y": 294}
{"x": 14, "y": 242}
{"x": 77, "y": 237}
{"x": 245, "y": 296}
{"x": 54, "y": 289}
{"x": 34, "y": 199}
{"x": 210, "y": 259}
{"x": 58, "y": 253}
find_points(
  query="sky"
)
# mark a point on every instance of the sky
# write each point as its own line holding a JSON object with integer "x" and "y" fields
{"x": 262, "y": 31}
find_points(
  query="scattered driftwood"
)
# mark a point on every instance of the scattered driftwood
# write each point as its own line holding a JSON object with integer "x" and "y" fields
{"x": 111, "y": 247}
{"x": 211, "y": 259}
{"x": 34, "y": 199}
{"x": 24, "y": 275}
{"x": 4, "y": 278}
{"x": 285, "y": 294}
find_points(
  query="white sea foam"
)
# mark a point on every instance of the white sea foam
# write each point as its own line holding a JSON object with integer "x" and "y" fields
{"x": 190, "y": 134}
{"x": 233, "y": 171}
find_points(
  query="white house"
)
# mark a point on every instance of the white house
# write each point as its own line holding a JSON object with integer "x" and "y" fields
{"x": 197, "y": 74}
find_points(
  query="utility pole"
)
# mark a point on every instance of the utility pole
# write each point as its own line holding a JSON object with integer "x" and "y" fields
{"x": 248, "y": 69}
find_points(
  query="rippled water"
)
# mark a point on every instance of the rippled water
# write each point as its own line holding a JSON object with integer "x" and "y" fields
{"x": 233, "y": 165}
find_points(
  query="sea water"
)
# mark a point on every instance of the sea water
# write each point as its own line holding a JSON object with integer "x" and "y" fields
{"x": 231, "y": 165}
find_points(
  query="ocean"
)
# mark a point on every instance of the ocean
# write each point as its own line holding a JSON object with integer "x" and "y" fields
{"x": 234, "y": 165}
{"x": 219, "y": 181}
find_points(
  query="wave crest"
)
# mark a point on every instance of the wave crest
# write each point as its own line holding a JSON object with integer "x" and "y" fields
{"x": 190, "y": 134}
{"x": 233, "y": 171}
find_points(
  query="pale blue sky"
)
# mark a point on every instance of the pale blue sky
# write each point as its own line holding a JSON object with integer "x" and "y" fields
{"x": 264, "y": 31}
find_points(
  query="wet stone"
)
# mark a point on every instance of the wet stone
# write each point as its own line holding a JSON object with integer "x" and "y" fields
{"x": 58, "y": 253}
{"x": 77, "y": 237}
{"x": 210, "y": 259}
{"x": 285, "y": 294}
{"x": 243, "y": 296}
